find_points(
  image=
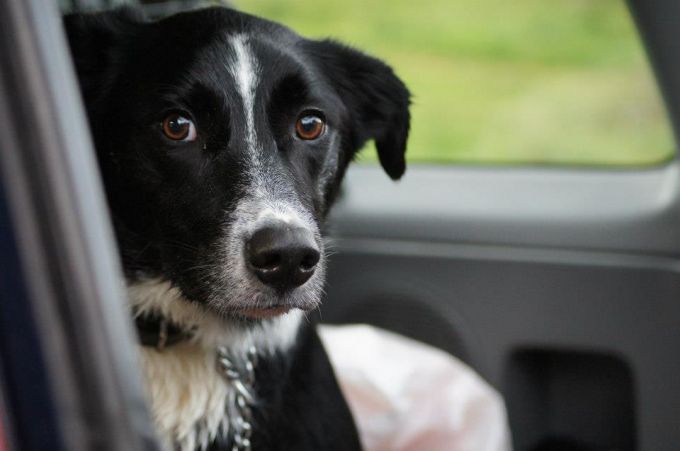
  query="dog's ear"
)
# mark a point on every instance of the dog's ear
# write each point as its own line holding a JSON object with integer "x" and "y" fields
{"x": 95, "y": 40}
{"x": 377, "y": 100}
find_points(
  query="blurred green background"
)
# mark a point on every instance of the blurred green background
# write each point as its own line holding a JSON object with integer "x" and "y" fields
{"x": 505, "y": 82}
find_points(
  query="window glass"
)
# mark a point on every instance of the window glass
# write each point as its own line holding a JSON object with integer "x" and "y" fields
{"x": 505, "y": 82}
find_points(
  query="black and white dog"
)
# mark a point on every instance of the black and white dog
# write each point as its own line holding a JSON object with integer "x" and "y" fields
{"x": 222, "y": 140}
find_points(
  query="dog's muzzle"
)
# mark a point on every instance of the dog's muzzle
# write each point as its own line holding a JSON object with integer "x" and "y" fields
{"x": 282, "y": 256}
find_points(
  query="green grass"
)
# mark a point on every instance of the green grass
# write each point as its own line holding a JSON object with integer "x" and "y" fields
{"x": 497, "y": 81}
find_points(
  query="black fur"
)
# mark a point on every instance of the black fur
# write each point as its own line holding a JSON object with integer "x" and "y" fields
{"x": 171, "y": 202}
{"x": 302, "y": 407}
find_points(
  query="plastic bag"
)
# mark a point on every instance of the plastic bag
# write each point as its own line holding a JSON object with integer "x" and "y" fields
{"x": 406, "y": 395}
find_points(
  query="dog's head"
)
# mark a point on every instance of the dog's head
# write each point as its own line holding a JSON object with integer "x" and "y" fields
{"x": 222, "y": 139}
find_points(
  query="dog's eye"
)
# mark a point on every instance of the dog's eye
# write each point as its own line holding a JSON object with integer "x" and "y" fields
{"x": 178, "y": 128}
{"x": 309, "y": 126}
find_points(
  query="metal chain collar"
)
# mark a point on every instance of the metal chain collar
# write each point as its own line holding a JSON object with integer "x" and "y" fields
{"x": 239, "y": 406}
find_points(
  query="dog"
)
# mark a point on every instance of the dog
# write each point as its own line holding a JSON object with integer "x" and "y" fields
{"x": 222, "y": 140}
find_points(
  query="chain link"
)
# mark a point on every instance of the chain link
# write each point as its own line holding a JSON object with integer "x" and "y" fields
{"x": 242, "y": 379}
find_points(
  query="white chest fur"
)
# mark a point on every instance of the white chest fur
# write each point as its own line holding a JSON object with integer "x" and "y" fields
{"x": 187, "y": 394}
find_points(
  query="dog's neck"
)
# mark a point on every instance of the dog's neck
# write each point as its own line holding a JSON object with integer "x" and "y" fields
{"x": 190, "y": 400}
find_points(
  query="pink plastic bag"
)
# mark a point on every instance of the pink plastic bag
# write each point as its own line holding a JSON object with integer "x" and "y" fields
{"x": 406, "y": 395}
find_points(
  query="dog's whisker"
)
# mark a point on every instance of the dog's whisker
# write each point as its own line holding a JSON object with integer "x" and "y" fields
{"x": 181, "y": 245}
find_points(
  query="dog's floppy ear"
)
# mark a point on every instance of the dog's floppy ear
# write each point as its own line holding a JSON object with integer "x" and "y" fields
{"x": 377, "y": 100}
{"x": 94, "y": 40}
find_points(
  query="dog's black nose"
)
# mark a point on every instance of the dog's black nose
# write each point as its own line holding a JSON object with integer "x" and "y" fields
{"x": 281, "y": 256}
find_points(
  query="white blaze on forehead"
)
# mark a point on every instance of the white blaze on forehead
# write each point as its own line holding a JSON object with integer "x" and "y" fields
{"x": 275, "y": 200}
{"x": 245, "y": 71}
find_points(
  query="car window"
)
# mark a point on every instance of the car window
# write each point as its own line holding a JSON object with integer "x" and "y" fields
{"x": 523, "y": 82}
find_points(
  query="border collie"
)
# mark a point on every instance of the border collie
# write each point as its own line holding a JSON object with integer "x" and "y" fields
{"x": 222, "y": 140}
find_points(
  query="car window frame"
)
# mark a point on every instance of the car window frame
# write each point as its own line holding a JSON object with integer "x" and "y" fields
{"x": 66, "y": 330}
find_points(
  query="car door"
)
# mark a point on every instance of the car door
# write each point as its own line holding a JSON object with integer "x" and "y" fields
{"x": 560, "y": 285}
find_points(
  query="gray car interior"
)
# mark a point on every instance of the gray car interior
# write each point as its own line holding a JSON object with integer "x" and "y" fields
{"x": 560, "y": 286}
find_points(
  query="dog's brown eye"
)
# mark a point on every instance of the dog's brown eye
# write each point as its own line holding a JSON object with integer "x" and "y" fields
{"x": 309, "y": 126}
{"x": 178, "y": 128}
